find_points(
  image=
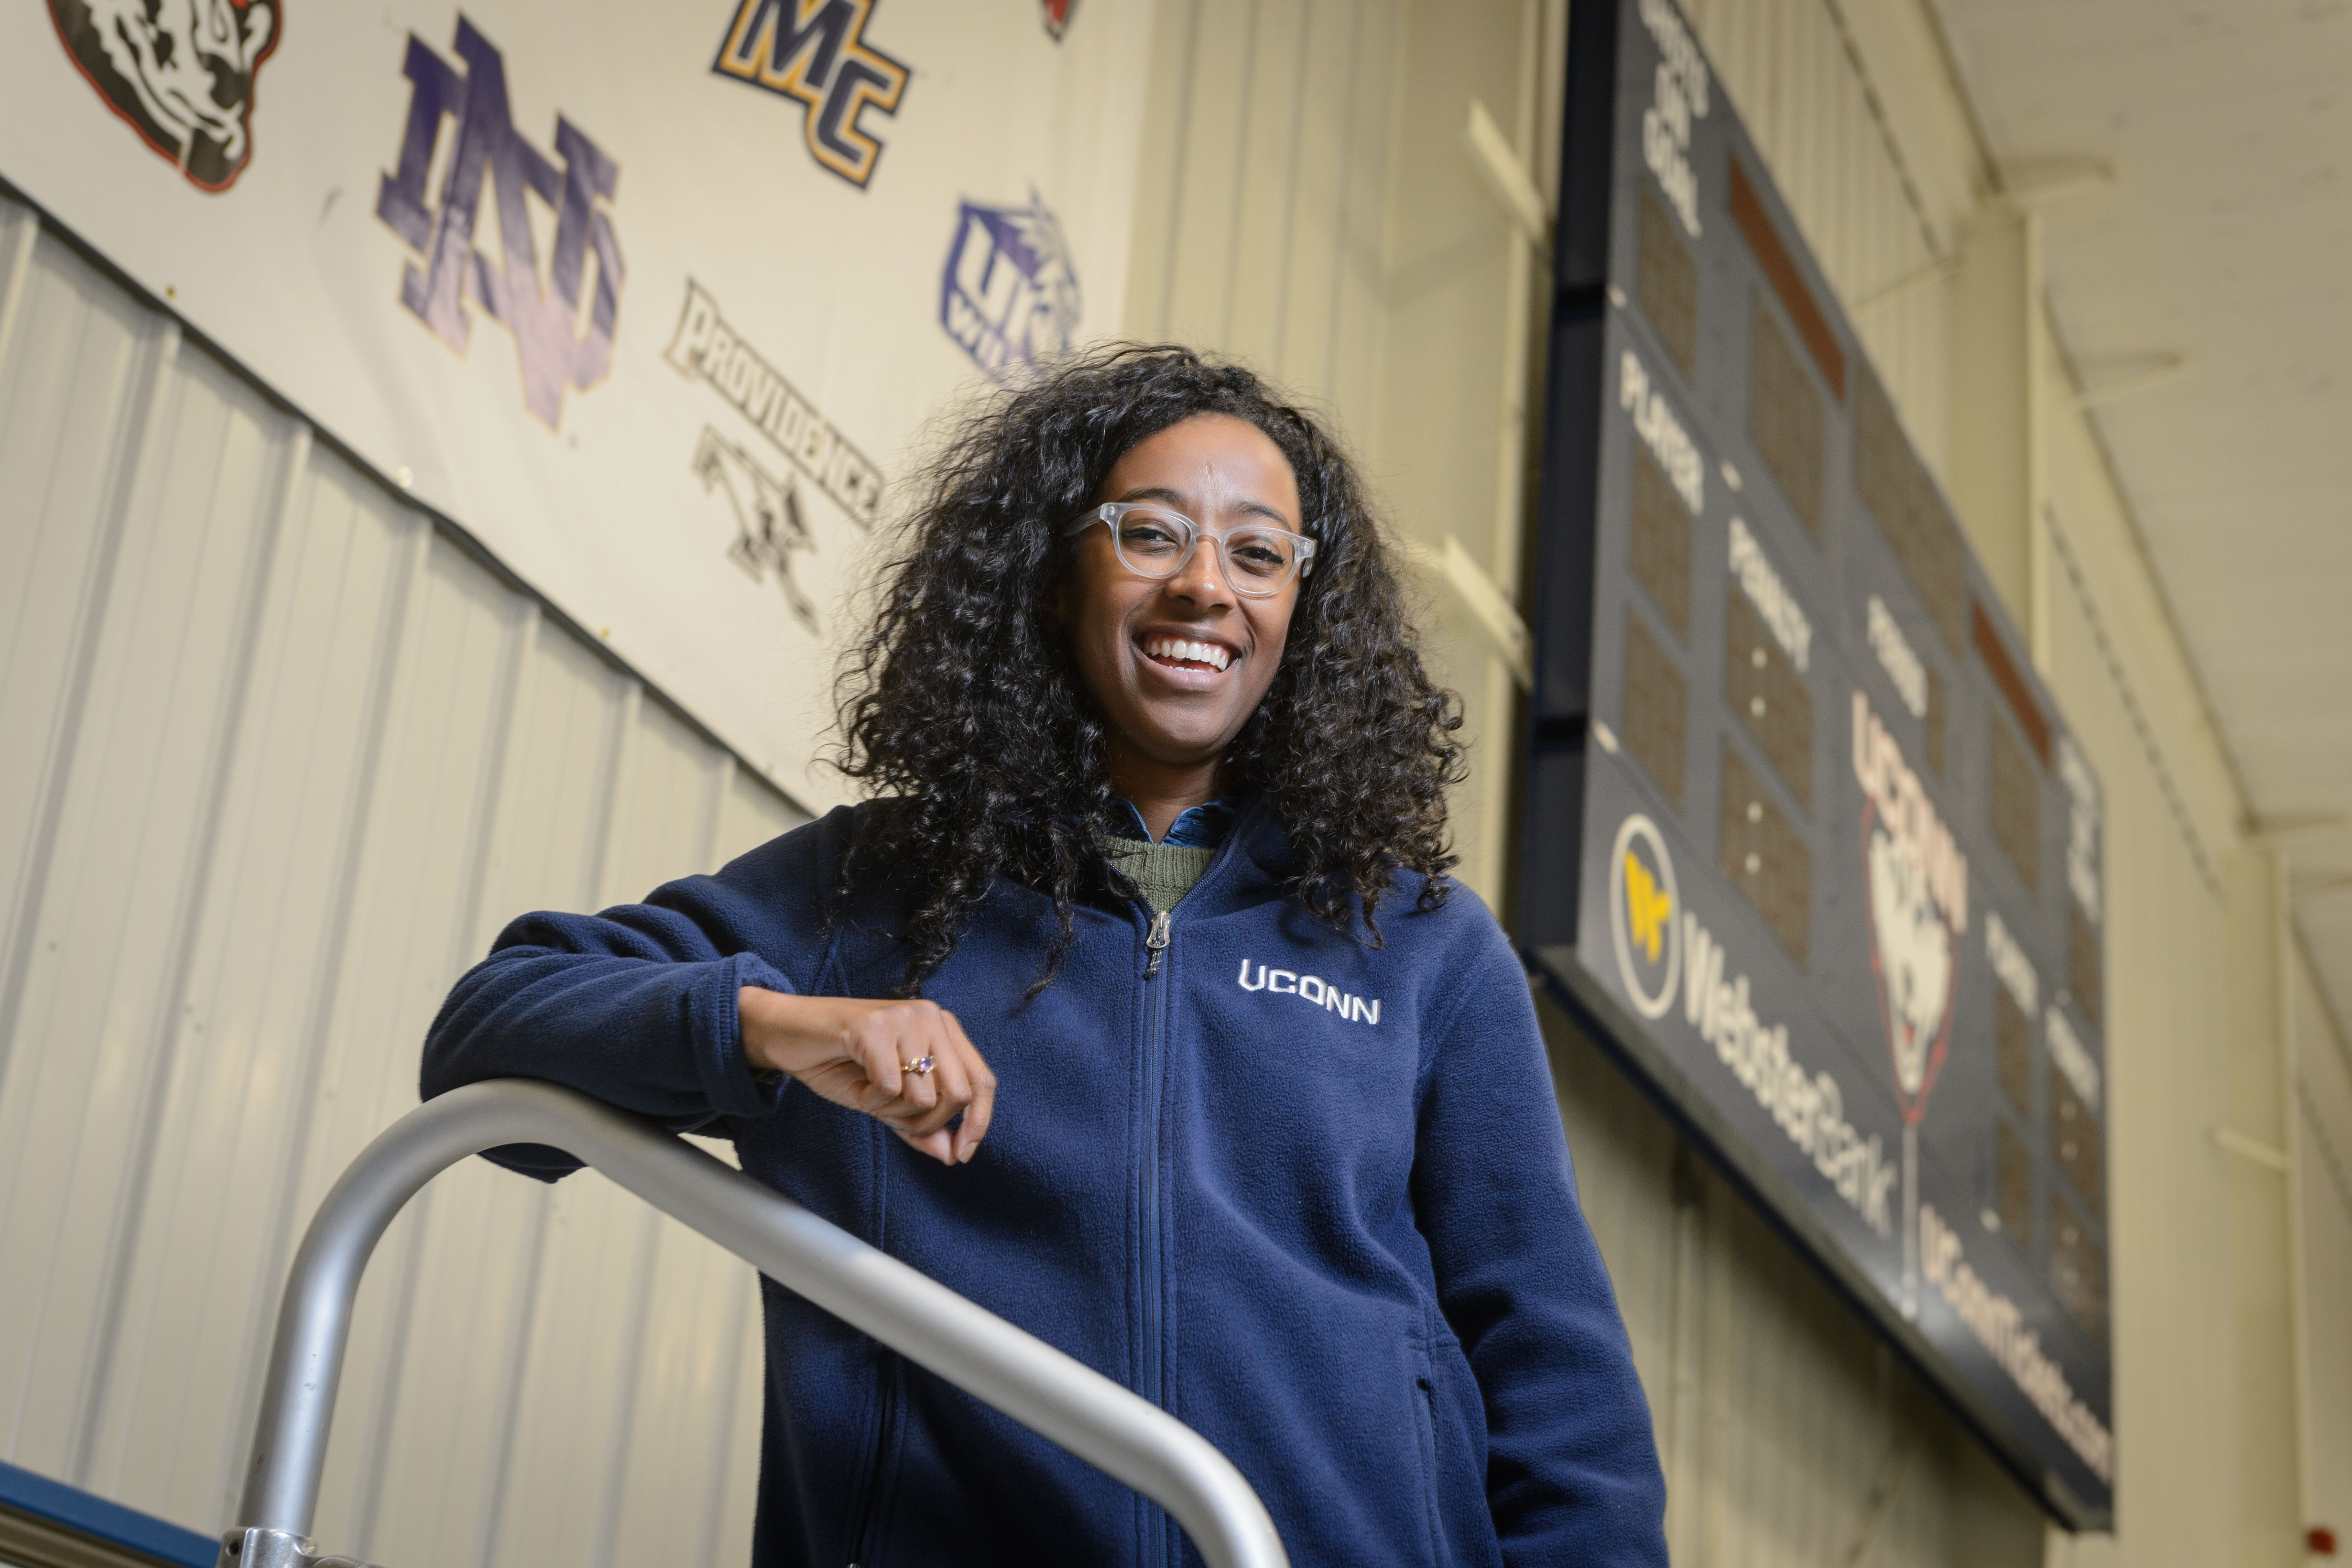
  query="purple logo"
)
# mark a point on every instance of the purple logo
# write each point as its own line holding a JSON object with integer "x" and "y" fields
{"x": 1010, "y": 294}
{"x": 539, "y": 306}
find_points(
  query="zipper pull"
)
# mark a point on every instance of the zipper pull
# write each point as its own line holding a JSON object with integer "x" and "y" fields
{"x": 1155, "y": 942}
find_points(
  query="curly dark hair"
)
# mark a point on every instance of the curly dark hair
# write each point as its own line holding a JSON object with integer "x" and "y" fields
{"x": 963, "y": 713}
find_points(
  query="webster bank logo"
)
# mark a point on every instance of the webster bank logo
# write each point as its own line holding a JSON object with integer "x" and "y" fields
{"x": 1662, "y": 947}
{"x": 1643, "y": 904}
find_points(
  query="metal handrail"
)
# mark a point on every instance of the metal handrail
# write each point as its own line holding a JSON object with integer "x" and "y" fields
{"x": 1049, "y": 1392}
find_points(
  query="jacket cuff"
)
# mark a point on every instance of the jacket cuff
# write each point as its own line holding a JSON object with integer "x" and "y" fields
{"x": 729, "y": 1084}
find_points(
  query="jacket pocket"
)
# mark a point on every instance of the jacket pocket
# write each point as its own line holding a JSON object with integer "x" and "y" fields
{"x": 869, "y": 1522}
{"x": 1461, "y": 1520}
{"x": 1425, "y": 1426}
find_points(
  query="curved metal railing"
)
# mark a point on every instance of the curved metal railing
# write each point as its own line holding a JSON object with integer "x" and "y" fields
{"x": 1029, "y": 1379}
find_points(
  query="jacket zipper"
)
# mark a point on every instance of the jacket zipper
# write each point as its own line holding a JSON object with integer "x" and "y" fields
{"x": 1155, "y": 947}
{"x": 866, "y": 1546}
{"x": 1156, "y": 940}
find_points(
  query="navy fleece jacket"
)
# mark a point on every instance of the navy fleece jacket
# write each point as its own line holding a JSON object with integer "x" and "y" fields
{"x": 1308, "y": 1195}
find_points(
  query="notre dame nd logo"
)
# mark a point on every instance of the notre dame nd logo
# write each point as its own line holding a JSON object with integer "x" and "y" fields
{"x": 816, "y": 51}
{"x": 1644, "y": 919}
{"x": 449, "y": 227}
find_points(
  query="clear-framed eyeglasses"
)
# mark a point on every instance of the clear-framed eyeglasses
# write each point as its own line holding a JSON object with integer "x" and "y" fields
{"x": 1259, "y": 560}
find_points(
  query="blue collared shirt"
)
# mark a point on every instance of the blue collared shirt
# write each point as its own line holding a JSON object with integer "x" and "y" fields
{"x": 1201, "y": 826}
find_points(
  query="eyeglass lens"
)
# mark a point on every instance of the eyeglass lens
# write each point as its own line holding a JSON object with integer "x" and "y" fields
{"x": 1157, "y": 544}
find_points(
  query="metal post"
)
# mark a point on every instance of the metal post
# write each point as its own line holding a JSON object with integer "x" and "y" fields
{"x": 1128, "y": 1438}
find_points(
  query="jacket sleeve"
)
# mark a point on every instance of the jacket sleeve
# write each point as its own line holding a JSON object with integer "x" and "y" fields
{"x": 1572, "y": 1471}
{"x": 638, "y": 1006}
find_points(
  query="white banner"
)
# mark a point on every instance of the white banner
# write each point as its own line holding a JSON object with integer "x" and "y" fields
{"x": 651, "y": 300}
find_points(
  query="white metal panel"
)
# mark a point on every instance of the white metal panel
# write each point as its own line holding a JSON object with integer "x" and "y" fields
{"x": 750, "y": 814}
{"x": 2169, "y": 1212}
{"x": 578, "y": 1378}
{"x": 64, "y": 394}
{"x": 199, "y": 550}
{"x": 69, "y": 1121}
{"x": 251, "y": 1012}
{"x": 1437, "y": 443}
{"x": 280, "y": 759}
{"x": 2323, "y": 1145}
{"x": 1261, "y": 232}
{"x": 686, "y": 1409}
{"x": 433, "y": 780}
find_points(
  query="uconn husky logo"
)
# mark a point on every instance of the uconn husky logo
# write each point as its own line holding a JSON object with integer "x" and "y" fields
{"x": 180, "y": 73}
{"x": 486, "y": 156}
{"x": 1010, "y": 294}
{"x": 814, "y": 51}
{"x": 1313, "y": 990}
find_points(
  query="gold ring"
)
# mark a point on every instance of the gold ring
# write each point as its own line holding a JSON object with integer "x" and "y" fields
{"x": 921, "y": 1066}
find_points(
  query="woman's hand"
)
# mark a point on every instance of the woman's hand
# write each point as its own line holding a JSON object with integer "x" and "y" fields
{"x": 857, "y": 1053}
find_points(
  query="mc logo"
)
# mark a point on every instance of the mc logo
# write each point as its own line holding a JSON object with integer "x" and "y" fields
{"x": 446, "y": 227}
{"x": 1641, "y": 916}
{"x": 816, "y": 51}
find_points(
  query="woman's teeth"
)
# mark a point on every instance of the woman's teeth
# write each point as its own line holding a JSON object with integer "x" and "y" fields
{"x": 1208, "y": 653}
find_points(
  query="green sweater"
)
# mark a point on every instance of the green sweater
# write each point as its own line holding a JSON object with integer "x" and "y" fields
{"x": 1162, "y": 873}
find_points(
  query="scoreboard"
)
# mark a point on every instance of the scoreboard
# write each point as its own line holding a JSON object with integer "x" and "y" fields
{"x": 1806, "y": 842}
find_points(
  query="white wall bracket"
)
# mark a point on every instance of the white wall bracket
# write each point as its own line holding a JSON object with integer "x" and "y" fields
{"x": 2230, "y": 1140}
{"x": 1506, "y": 177}
{"x": 1489, "y": 606}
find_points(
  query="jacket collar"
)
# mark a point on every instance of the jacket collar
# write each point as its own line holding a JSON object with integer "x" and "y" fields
{"x": 1252, "y": 866}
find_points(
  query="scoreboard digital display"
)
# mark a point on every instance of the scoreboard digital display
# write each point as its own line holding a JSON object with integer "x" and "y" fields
{"x": 1806, "y": 841}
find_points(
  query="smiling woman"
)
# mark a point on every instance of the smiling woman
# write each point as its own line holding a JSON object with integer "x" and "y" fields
{"x": 1004, "y": 703}
{"x": 1152, "y": 896}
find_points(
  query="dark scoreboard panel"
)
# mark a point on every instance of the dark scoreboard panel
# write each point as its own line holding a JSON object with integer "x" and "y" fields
{"x": 1807, "y": 841}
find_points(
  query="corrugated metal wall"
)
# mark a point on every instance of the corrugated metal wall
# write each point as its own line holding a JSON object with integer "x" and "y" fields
{"x": 2322, "y": 1110}
{"x": 280, "y": 759}
{"x": 2174, "y": 849}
